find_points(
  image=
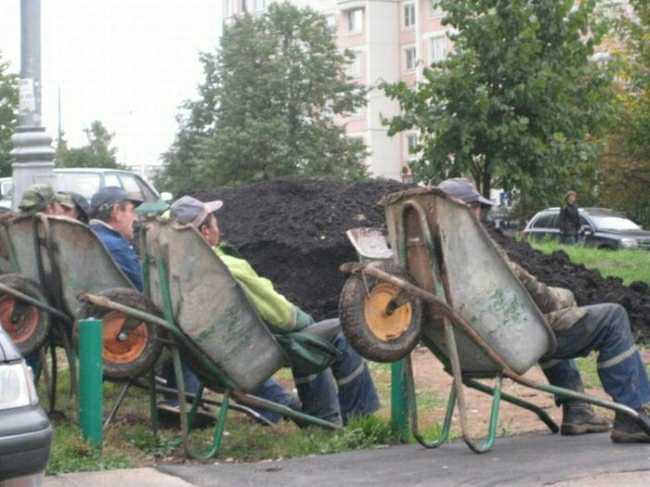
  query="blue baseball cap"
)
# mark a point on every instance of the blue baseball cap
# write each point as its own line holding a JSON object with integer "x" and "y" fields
{"x": 110, "y": 195}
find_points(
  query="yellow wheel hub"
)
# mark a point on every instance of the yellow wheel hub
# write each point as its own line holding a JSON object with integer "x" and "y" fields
{"x": 386, "y": 327}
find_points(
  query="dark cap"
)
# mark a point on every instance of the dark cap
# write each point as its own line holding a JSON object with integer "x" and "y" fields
{"x": 464, "y": 190}
{"x": 81, "y": 204}
{"x": 108, "y": 196}
{"x": 190, "y": 211}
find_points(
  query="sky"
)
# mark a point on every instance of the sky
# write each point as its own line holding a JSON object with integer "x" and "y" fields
{"x": 127, "y": 63}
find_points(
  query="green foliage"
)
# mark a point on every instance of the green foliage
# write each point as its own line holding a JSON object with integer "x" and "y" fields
{"x": 625, "y": 166}
{"x": 267, "y": 106}
{"x": 517, "y": 101}
{"x": 8, "y": 115}
{"x": 98, "y": 152}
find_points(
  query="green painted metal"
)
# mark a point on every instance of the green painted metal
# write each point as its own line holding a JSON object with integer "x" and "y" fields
{"x": 90, "y": 381}
{"x": 541, "y": 414}
{"x": 443, "y": 437}
{"x": 399, "y": 401}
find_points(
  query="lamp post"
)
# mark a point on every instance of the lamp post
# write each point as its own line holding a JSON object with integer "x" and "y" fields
{"x": 33, "y": 154}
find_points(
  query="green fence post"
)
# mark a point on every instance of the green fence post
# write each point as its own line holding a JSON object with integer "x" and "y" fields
{"x": 399, "y": 406}
{"x": 90, "y": 381}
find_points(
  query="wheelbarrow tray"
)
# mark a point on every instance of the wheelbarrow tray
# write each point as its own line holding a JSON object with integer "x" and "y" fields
{"x": 210, "y": 307}
{"x": 440, "y": 236}
{"x": 79, "y": 261}
{"x": 18, "y": 236}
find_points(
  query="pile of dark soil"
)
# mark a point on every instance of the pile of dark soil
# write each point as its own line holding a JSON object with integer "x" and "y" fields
{"x": 293, "y": 232}
{"x": 588, "y": 286}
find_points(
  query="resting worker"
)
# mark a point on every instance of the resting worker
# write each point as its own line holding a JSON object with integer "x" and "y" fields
{"x": 41, "y": 198}
{"x": 113, "y": 215}
{"x": 353, "y": 394}
{"x": 78, "y": 206}
{"x": 604, "y": 328}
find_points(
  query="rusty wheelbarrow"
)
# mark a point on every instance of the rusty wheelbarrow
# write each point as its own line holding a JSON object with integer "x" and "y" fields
{"x": 451, "y": 288}
{"x": 30, "y": 306}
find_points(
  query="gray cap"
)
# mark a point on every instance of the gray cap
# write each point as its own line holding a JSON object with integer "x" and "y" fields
{"x": 190, "y": 211}
{"x": 464, "y": 190}
{"x": 110, "y": 195}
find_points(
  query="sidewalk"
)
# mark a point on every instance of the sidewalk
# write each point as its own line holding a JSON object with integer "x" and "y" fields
{"x": 533, "y": 460}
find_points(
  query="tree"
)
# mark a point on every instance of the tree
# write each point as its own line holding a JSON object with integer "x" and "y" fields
{"x": 625, "y": 165}
{"x": 517, "y": 100}
{"x": 97, "y": 153}
{"x": 268, "y": 105}
{"x": 8, "y": 115}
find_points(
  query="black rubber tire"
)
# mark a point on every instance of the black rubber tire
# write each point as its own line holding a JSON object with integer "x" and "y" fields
{"x": 142, "y": 363}
{"x": 357, "y": 330}
{"x": 28, "y": 344}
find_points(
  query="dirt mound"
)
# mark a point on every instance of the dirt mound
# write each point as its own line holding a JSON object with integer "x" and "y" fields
{"x": 589, "y": 286}
{"x": 293, "y": 232}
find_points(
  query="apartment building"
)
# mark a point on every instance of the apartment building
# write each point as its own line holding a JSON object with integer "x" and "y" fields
{"x": 392, "y": 40}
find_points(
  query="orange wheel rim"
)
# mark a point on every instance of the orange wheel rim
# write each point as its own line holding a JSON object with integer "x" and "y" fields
{"x": 20, "y": 328}
{"x": 122, "y": 346}
{"x": 386, "y": 327}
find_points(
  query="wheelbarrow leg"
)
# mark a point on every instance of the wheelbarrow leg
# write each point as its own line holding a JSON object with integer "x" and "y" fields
{"x": 50, "y": 379}
{"x": 153, "y": 407}
{"x": 443, "y": 437}
{"x": 541, "y": 414}
{"x": 116, "y": 406}
{"x": 187, "y": 418}
{"x": 486, "y": 444}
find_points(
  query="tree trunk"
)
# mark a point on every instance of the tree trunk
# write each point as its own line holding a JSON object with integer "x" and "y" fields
{"x": 486, "y": 182}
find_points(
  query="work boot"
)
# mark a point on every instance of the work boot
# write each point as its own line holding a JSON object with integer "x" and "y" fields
{"x": 579, "y": 418}
{"x": 628, "y": 430}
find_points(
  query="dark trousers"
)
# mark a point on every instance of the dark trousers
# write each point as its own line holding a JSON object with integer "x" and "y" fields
{"x": 604, "y": 329}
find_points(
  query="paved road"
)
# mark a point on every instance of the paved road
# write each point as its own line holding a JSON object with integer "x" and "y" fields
{"x": 522, "y": 461}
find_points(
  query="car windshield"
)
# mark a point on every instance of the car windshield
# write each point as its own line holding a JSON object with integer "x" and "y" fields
{"x": 614, "y": 223}
{"x": 82, "y": 183}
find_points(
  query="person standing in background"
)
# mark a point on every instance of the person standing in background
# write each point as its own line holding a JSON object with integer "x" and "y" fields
{"x": 569, "y": 220}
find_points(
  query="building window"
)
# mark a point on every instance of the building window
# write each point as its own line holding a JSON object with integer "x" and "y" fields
{"x": 438, "y": 48}
{"x": 409, "y": 15}
{"x": 260, "y": 5}
{"x": 330, "y": 22}
{"x": 410, "y": 58}
{"x": 411, "y": 145}
{"x": 354, "y": 68}
{"x": 355, "y": 21}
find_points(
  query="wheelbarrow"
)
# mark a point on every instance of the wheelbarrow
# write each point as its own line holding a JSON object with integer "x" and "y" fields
{"x": 450, "y": 287}
{"x": 206, "y": 318}
{"x": 30, "y": 308}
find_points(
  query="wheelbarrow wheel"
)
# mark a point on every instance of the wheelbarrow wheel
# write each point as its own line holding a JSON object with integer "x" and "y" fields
{"x": 374, "y": 331}
{"x": 26, "y": 324}
{"x": 131, "y": 346}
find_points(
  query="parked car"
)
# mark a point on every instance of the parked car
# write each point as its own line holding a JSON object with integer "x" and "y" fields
{"x": 87, "y": 181}
{"x": 599, "y": 227}
{"x": 25, "y": 432}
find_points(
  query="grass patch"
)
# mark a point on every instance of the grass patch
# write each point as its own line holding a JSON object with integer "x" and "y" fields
{"x": 129, "y": 442}
{"x": 588, "y": 368}
{"x": 629, "y": 265}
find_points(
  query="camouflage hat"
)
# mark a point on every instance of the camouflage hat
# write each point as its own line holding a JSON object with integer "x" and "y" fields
{"x": 36, "y": 198}
{"x": 64, "y": 199}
